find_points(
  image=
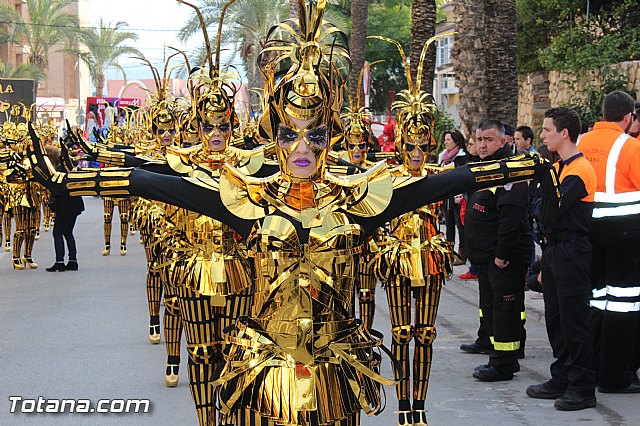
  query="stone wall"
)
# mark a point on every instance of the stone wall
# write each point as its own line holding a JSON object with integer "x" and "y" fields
{"x": 542, "y": 90}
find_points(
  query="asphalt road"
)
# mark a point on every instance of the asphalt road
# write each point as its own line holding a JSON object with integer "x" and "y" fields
{"x": 83, "y": 335}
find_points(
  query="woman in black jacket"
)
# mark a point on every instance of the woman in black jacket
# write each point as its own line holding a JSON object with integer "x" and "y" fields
{"x": 67, "y": 209}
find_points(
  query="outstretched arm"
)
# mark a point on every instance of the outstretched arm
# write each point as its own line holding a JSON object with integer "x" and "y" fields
{"x": 414, "y": 193}
{"x": 125, "y": 182}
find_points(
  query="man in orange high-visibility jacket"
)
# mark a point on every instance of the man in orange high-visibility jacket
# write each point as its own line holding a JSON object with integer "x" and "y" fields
{"x": 615, "y": 302}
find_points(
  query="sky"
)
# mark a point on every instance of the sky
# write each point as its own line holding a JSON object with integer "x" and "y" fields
{"x": 155, "y": 21}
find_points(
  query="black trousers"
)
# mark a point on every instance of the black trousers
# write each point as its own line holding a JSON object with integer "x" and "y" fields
{"x": 566, "y": 283}
{"x": 63, "y": 230}
{"x": 615, "y": 263}
{"x": 502, "y": 303}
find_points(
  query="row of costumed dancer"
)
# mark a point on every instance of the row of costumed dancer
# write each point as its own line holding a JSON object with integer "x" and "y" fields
{"x": 260, "y": 254}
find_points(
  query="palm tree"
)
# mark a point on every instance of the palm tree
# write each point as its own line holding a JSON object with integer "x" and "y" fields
{"x": 48, "y": 25}
{"x": 500, "y": 52}
{"x": 469, "y": 62}
{"x": 358, "y": 42}
{"x": 251, "y": 20}
{"x": 423, "y": 27}
{"x": 102, "y": 47}
{"x": 26, "y": 70}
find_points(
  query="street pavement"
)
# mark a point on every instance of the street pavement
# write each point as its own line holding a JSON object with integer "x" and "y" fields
{"x": 84, "y": 335}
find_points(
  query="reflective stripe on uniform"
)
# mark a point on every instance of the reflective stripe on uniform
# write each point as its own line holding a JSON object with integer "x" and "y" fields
{"x": 623, "y": 197}
{"x": 610, "y": 195}
{"x": 616, "y": 292}
{"x": 612, "y": 163}
{"x": 600, "y": 212}
{"x": 611, "y": 306}
{"x": 505, "y": 346}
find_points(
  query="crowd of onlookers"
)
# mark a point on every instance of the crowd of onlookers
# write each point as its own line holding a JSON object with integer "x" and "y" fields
{"x": 585, "y": 217}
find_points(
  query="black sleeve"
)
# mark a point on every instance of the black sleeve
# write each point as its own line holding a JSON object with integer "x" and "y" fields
{"x": 160, "y": 168}
{"x": 423, "y": 192}
{"x": 267, "y": 170}
{"x": 182, "y": 193}
{"x": 513, "y": 211}
{"x": 447, "y": 184}
{"x": 572, "y": 190}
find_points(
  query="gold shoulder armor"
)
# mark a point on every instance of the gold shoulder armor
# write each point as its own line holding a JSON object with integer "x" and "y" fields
{"x": 244, "y": 195}
{"x": 179, "y": 159}
{"x": 369, "y": 193}
{"x": 249, "y": 161}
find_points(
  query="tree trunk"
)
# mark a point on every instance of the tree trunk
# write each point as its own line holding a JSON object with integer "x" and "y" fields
{"x": 358, "y": 43}
{"x": 99, "y": 85}
{"x": 423, "y": 27}
{"x": 293, "y": 9}
{"x": 469, "y": 63}
{"x": 500, "y": 51}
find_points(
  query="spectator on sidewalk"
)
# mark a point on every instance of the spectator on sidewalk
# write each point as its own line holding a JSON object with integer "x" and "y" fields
{"x": 566, "y": 260}
{"x": 455, "y": 154}
{"x": 498, "y": 239}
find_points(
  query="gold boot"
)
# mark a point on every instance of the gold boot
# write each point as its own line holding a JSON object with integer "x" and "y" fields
{"x": 30, "y": 263}
{"x": 405, "y": 418}
{"x": 37, "y": 237}
{"x": 107, "y": 250}
{"x": 7, "y": 246}
{"x": 154, "y": 334}
{"x": 420, "y": 418}
{"x": 171, "y": 376}
{"x": 123, "y": 249}
{"x": 17, "y": 264}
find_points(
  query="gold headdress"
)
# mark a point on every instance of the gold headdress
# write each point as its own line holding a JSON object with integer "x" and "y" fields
{"x": 213, "y": 92}
{"x": 357, "y": 121}
{"x": 160, "y": 111}
{"x": 310, "y": 90}
{"x": 415, "y": 108}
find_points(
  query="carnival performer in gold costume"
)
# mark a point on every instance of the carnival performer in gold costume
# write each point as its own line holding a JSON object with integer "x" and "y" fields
{"x": 357, "y": 136}
{"x": 417, "y": 257}
{"x": 299, "y": 357}
{"x": 22, "y": 197}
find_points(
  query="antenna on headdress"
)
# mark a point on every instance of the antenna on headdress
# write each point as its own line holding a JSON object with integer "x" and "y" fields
{"x": 213, "y": 68}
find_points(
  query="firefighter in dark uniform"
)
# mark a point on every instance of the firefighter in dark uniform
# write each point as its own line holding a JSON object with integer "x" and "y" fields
{"x": 566, "y": 260}
{"x": 615, "y": 301}
{"x": 499, "y": 241}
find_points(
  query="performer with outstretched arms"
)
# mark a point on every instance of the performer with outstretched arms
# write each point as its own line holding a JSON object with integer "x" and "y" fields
{"x": 299, "y": 357}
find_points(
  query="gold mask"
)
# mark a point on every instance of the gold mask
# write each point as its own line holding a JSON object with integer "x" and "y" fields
{"x": 288, "y": 140}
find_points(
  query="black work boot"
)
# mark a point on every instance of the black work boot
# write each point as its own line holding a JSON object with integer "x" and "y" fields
{"x": 573, "y": 401}
{"x": 546, "y": 390}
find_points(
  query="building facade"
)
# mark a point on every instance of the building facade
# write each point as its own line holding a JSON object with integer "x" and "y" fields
{"x": 68, "y": 80}
{"x": 445, "y": 90}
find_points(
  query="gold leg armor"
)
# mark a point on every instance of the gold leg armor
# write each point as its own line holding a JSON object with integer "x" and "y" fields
{"x": 427, "y": 300}
{"x": 20, "y": 216}
{"x": 124, "y": 206}
{"x": 109, "y": 204}
{"x": 197, "y": 316}
{"x": 172, "y": 334}
{"x": 172, "y": 328}
{"x": 8, "y": 214}
{"x": 399, "y": 297}
{"x": 366, "y": 284}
